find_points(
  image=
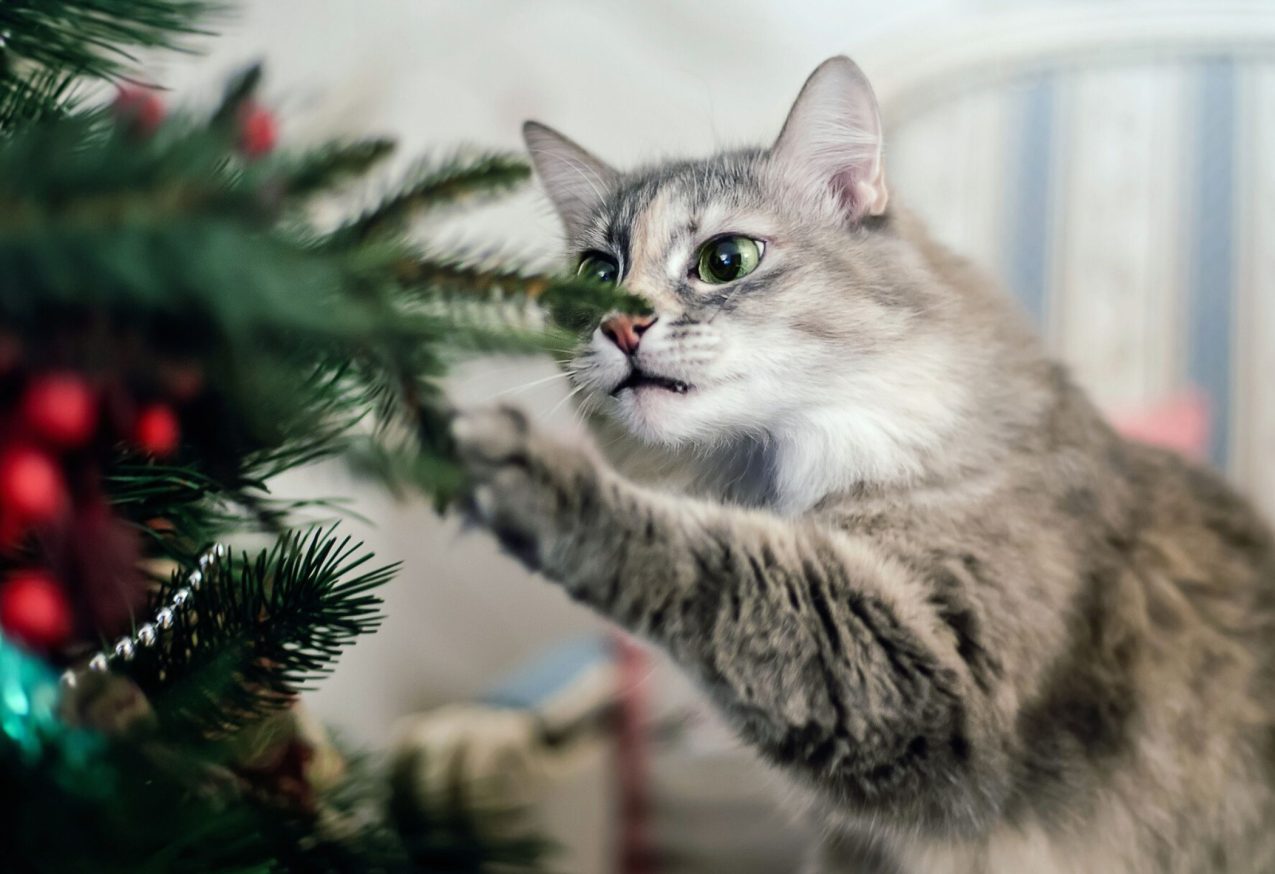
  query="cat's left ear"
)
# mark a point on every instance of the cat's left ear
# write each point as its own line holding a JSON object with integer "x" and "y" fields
{"x": 575, "y": 181}
{"x": 832, "y": 139}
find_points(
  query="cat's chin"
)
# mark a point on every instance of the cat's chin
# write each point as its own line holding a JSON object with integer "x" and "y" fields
{"x": 662, "y": 416}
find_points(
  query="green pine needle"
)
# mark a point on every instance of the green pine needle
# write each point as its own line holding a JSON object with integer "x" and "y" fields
{"x": 455, "y": 181}
{"x": 259, "y": 632}
{"x": 50, "y": 44}
{"x": 333, "y": 163}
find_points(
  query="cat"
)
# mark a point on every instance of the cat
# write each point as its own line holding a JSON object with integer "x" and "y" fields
{"x": 894, "y": 543}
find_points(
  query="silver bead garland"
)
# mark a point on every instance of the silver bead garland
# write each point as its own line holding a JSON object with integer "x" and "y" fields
{"x": 147, "y": 634}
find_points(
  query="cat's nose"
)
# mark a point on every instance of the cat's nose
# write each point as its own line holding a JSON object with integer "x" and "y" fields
{"x": 626, "y": 331}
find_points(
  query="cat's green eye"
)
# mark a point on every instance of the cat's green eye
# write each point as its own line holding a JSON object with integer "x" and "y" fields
{"x": 726, "y": 259}
{"x": 599, "y": 268}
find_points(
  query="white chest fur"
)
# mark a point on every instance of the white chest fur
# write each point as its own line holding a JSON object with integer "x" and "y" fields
{"x": 1021, "y": 851}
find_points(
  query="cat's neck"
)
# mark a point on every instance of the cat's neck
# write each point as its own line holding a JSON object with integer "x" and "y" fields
{"x": 789, "y": 470}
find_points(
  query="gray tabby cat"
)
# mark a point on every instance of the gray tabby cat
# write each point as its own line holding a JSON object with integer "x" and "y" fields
{"x": 897, "y": 546}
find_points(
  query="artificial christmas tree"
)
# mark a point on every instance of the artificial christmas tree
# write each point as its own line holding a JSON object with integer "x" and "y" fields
{"x": 175, "y": 331}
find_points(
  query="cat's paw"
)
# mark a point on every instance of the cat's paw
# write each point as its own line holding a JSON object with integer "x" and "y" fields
{"x": 524, "y": 486}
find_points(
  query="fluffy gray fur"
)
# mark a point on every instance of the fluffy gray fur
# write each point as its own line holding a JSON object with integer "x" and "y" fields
{"x": 900, "y": 550}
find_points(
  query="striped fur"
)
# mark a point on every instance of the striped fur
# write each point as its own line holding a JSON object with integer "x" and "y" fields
{"x": 897, "y": 546}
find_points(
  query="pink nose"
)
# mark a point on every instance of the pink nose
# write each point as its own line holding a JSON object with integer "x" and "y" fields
{"x": 626, "y": 331}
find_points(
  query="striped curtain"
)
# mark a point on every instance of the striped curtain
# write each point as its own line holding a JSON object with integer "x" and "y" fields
{"x": 1131, "y": 209}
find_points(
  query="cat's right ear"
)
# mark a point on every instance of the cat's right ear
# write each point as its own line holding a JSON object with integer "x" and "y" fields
{"x": 831, "y": 142}
{"x": 575, "y": 181}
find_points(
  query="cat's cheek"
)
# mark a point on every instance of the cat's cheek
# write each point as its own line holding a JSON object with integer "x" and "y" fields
{"x": 600, "y": 369}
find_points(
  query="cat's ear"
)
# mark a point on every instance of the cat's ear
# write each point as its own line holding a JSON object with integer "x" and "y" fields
{"x": 832, "y": 139}
{"x": 575, "y": 181}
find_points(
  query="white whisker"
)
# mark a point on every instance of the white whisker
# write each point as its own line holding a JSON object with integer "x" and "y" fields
{"x": 485, "y": 373}
{"x": 575, "y": 391}
{"x": 526, "y": 385}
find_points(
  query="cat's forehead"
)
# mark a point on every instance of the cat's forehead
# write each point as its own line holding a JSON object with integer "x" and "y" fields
{"x": 673, "y": 198}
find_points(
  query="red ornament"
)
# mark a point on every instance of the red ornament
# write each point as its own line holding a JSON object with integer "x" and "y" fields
{"x": 35, "y": 610}
{"x": 31, "y": 488}
{"x": 139, "y": 108}
{"x": 258, "y": 131}
{"x": 60, "y": 409}
{"x": 157, "y": 431}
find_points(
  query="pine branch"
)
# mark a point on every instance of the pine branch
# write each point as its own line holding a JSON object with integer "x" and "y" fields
{"x": 260, "y": 632}
{"x": 239, "y": 91}
{"x": 333, "y": 163}
{"x": 62, "y": 779}
{"x": 405, "y": 469}
{"x": 174, "y": 251}
{"x": 459, "y": 179}
{"x": 49, "y": 44}
{"x": 42, "y": 95}
{"x": 451, "y": 274}
{"x": 573, "y": 303}
{"x": 130, "y": 803}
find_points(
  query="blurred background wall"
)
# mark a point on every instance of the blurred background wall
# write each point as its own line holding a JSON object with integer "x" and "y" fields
{"x": 1112, "y": 163}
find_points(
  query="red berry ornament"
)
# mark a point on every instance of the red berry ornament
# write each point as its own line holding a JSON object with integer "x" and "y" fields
{"x": 60, "y": 409}
{"x": 157, "y": 432}
{"x": 31, "y": 487}
{"x": 35, "y": 610}
{"x": 140, "y": 108}
{"x": 258, "y": 131}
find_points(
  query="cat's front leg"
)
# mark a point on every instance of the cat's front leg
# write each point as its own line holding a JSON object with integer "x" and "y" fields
{"x": 826, "y": 653}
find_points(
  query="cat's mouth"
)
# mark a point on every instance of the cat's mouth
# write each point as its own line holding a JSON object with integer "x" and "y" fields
{"x": 638, "y": 379}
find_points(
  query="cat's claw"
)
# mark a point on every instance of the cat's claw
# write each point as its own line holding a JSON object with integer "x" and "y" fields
{"x": 490, "y": 436}
{"x": 522, "y": 485}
